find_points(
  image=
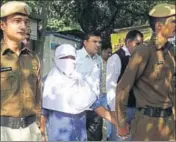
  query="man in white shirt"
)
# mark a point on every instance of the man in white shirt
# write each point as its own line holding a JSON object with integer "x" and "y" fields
{"x": 89, "y": 64}
{"x": 115, "y": 67}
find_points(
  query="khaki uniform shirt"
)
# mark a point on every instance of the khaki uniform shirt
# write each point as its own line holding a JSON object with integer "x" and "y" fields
{"x": 20, "y": 83}
{"x": 150, "y": 73}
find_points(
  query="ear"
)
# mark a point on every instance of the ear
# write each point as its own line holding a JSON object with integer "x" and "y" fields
{"x": 128, "y": 42}
{"x": 158, "y": 26}
{"x": 85, "y": 42}
{"x": 2, "y": 25}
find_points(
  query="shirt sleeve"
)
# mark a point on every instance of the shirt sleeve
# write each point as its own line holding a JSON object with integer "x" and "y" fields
{"x": 112, "y": 74}
{"x": 96, "y": 104}
{"x": 133, "y": 71}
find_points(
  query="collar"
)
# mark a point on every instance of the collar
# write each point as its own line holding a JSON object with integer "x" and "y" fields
{"x": 127, "y": 53}
{"x": 5, "y": 49}
{"x": 158, "y": 47}
{"x": 166, "y": 46}
{"x": 86, "y": 54}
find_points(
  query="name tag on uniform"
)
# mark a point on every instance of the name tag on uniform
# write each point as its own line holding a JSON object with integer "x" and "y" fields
{"x": 6, "y": 69}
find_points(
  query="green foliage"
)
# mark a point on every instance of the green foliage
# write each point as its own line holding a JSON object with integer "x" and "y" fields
{"x": 92, "y": 14}
{"x": 88, "y": 15}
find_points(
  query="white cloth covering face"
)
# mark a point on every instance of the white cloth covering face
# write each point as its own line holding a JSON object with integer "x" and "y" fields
{"x": 66, "y": 90}
{"x": 67, "y": 66}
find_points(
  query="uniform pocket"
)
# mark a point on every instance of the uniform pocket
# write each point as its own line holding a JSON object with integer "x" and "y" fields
{"x": 31, "y": 88}
{"x": 169, "y": 129}
{"x": 160, "y": 71}
{"x": 8, "y": 80}
{"x": 32, "y": 80}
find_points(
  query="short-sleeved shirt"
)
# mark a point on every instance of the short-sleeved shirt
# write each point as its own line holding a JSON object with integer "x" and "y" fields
{"x": 20, "y": 83}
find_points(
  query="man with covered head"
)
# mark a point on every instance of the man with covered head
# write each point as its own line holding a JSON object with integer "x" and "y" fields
{"x": 66, "y": 96}
{"x": 150, "y": 73}
{"x": 20, "y": 77}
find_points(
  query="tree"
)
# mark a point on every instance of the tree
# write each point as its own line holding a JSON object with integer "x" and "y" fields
{"x": 88, "y": 15}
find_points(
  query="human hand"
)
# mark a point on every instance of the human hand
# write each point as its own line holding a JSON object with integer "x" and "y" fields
{"x": 42, "y": 130}
{"x": 123, "y": 133}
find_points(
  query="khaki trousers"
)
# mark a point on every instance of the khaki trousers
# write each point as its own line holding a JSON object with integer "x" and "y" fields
{"x": 30, "y": 133}
{"x": 145, "y": 128}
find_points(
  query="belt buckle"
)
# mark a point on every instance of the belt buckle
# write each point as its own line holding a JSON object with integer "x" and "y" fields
{"x": 22, "y": 123}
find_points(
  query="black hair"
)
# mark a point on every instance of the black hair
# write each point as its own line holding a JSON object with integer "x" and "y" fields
{"x": 131, "y": 35}
{"x": 106, "y": 46}
{"x": 94, "y": 33}
{"x": 154, "y": 20}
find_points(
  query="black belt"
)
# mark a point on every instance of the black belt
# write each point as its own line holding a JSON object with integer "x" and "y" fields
{"x": 156, "y": 112}
{"x": 16, "y": 123}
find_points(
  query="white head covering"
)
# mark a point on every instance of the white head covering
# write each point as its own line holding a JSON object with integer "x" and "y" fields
{"x": 66, "y": 66}
{"x": 65, "y": 89}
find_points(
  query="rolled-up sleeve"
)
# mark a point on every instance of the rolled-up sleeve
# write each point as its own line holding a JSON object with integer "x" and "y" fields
{"x": 134, "y": 70}
{"x": 96, "y": 104}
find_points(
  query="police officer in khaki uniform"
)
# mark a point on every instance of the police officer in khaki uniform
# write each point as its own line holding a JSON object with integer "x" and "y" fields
{"x": 20, "y": 77}
{"x": 150, "y": 73}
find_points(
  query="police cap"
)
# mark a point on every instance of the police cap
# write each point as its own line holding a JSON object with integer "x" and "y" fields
{"x": 13, "y": 7}
{"x": 162, "y": 10}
